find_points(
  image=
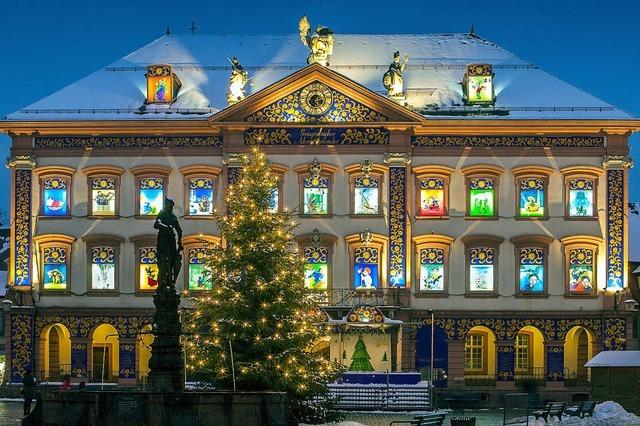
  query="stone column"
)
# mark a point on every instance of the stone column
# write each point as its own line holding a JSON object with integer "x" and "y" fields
{"x": 616, "y": 166}
{"x": 21, "y": 339}
{"x": 127, "y": 371}
{"x": 398, "y": 231}
{"x": 554, "y": 352}
{"x": 505, "y": 364}
{"x": 80, "y": 358}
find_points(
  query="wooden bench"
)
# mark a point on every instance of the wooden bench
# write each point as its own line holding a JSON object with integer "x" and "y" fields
{"x": 422, "y": 420}
{"x": 582, "y": 409}
{"x": 552, "y": 409}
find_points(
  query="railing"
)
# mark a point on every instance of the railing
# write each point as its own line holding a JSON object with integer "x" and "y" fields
{"x": 379, "y": 396}
{"x": 572, "y": 379}
{"x": 55, "y": 375}
{"x": 95, "y": 376}
{"x": 344, "y": 297}
{"x": 535, "y": 375}
{"x": 484, "y": 381}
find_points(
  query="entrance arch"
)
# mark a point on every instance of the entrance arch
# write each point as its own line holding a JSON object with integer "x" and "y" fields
{"x": 105, "y": 354}
{"x": 55, "y": 342}
{"x": 529, "y": 353}
{"x": 480, "y": 353}
{"x": 578, "y": 349}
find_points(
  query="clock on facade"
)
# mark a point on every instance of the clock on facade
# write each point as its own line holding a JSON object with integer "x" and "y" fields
{"x": 316, "y": 99}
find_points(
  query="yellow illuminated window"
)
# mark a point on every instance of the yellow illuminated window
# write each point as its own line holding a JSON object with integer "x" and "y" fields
{"x": 522, "y": 353}
{"x": 474, "y": 351}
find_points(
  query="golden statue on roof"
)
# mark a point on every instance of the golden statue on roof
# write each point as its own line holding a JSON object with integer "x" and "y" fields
{"x": 392, "y": 79}
{"x": 237, "y": 80}
{"x": 320, "y": 43}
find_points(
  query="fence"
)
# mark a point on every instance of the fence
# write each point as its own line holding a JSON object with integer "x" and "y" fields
{"x": 380, "y": 396}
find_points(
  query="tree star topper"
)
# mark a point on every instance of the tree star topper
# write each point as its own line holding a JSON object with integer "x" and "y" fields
{"x": 320, "y": 43}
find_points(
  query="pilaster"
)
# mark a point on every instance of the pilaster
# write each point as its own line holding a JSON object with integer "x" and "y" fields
{"x": 79, "y": 358}
{"x": 554, "y": 353}
{"x": 398, "y": 224}
{"x": 505, "y": 364}
{"x": 21, "y": 341}
{"x": 127, "y": 372}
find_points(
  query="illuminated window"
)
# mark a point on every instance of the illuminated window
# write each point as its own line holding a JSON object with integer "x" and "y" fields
{"x": 531, "y": 260}
{"x": 477, "y": 85}
{"x": 432, "y": 253}
{"x": 432, "y": 183}
{"x": 315, "y": 188}
{"x": 366, "y": 188}
{"x": 199, "y": 277}
{"x": 55, "y": 261}
{"x": 482, "y": 260}
{"x": 316, "y": 268}
{"x": 531, "y": 189}
{"x": 367, "y": 260}
{"x": 474, "y": 350}
{"x": 200, "y": 190}
{"x": 581, "y": 192}
{"x": 482, "y": 191}
{"x": 151, "y": 184}
{"x": 104, "y": 190}
{"x": 581, "y": 253}
{"x": 275, "y": 201}
{"x": 55, "y": 197}
{"x": 162, "y": 84}
{"x": 148, "y": 268}
{"x": 522, "y": 353}
{"x": 103, "y": 268}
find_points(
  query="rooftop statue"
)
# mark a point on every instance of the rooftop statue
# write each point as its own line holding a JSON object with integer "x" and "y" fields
{"x": 237, "y": 81}
{"x": 169, "y": 249}
{"x": 320, "y": 43}
{"x": 392, "y": 79}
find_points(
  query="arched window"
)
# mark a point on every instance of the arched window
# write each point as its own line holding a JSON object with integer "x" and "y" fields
{"x": 581, "y": 191}
{"x": 482, "y": 183}
{"x": 531, "y": 253}
{"x": 103, "y": 187}
{"x": 151, "y": 189}
{"x": 315, "y": 188}
{"x": 365, "y": 188}
{"x": 103, "y": 254}
{"x": 54, "y": 251}
{"x": 367, "y": 252}
{"x": 55, "y": 190}
{"x": 581, "y": 256}
{"x": 432, "y": 264}
{"x": 531, "y": 189}
{"x": 432, "y": 191}
{"x": 201, "y": 190}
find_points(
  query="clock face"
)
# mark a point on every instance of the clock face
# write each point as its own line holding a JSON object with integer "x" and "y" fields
{"x": 316, "y": 99}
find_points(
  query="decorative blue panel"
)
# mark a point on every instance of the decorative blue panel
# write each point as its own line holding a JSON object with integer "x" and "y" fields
{"x": 397, "y": 226}
{"x": 128, "y": 141}
{"x": 555, "y": 363}
{"x": 22, "y": 338}
{"x": 233, "y": 174}
{"x": 508, "y": 141}
{"x": 316, "y": 136}
{"x": 79, "y": 360}
{"x": 127, "y": 369}
{"x": 615, "y": 334}
{"x": 615, "y": 229}
{"x": 22, "y": 229}
{"x": 440, "y": 355}
{"x": 506, "y": 363}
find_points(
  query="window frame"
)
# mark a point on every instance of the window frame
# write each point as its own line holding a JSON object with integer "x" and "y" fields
{"x": 328, "y": 171}
{"x": 581, "y": 172}
{"x": 532, "y": 172}
{"x": 431, "y": 171}
{"x": 379, "y": 242}
{"x": 54, "y": 240}
{"x": 532, "y": 241}
{"x": 581, "y": 242}
{"x": 529, "y": 357}
{"x": 327, "y": 241}
{"x": 140, "y": 242}
{"x": 55, "y": 172}
{"x": 103, "y": 172}
{"x": 482, "y": 241}
{"x": 442, "y": 242}
{"x": 191, "y": 242}
{"x": 484, "y": 347}
{"x": 154, "y": 172}
{"x": 103, "y": 240}
{"x": 378, "y": 171}
{"x": 483, "y": 171}
{"x": 199, "y": 171}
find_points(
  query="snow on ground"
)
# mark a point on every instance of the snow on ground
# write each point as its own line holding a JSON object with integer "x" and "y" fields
{"x": 606, "y": 414}
{"x": 337, "y": 424}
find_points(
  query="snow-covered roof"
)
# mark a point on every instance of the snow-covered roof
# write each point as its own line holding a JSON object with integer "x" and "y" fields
{"x": 615, "y": 359}
{"x": 432, "y": 77}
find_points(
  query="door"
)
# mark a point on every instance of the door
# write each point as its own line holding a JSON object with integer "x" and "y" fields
{"x": 100, "y": 354}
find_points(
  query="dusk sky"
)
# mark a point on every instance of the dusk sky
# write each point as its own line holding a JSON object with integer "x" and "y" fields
{"x": 46, "y": 45}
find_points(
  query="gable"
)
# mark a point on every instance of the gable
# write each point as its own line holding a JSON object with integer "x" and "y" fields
{"x": 316, "y": 95}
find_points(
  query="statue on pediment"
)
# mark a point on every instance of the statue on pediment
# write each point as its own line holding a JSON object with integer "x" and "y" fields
{"x": 319, "y": 42}
{"x": 392, "y": 79}
{"x": 237, "y": 81}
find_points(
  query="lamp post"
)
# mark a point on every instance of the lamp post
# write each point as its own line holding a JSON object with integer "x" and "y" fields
{"x": 431, "y": 393}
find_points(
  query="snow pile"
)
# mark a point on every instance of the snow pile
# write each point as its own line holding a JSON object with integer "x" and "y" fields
{"x": 608, "y": 413}
{"x": 336, "y": 424}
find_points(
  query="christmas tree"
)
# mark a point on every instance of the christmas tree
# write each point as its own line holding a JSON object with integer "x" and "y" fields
{"x": 360, "y": 358}
{"x": 258, "y": 310}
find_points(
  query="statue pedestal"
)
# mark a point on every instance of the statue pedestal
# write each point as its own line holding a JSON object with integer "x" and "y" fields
{"x": 400, "y": 98}
{"x": 167, "y": 363}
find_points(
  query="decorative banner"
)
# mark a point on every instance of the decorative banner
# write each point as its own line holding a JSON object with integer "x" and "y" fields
{"x": 506, "y": 363}
{"x": 397, "y": 226}
{"x": 22, "y": 229}
{"x": 317, "y": 136}
{"x": 555, "y": 363}
{"x": 615, "y": 229}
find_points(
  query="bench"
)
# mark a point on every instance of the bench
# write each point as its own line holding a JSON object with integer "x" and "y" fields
{"x": 582, "y": 409}
{"x": 552, "y": 409}
{"x": 422, "y": 420}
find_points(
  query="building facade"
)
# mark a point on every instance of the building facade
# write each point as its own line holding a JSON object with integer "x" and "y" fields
{"x": 484, "y": 192}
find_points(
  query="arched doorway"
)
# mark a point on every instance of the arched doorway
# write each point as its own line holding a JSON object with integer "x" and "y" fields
{"x": 479, "y": 355}
{"x": 105, "y": 354}
{"x": 143, "y": 350}
{"x": 55, "y": 342}
{"x": 529, "y": 354}
{"x": 578, "y": 349}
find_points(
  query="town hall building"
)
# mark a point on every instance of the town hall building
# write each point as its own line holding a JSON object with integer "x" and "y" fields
{"x": 433, "y": 176}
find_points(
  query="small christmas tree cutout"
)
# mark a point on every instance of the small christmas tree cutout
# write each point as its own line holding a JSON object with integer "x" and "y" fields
{"x": 360, "y": 357}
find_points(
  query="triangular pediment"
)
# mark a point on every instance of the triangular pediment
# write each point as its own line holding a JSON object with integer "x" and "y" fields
{"x": 316, "y": 95}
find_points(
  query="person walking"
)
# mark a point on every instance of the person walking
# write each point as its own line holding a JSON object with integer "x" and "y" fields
{"x": 28, "y": 390}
